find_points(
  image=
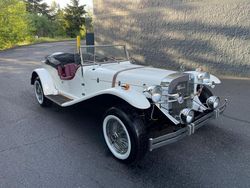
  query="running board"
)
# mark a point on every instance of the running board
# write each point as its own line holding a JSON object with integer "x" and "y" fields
{"x": 58, "y": 99}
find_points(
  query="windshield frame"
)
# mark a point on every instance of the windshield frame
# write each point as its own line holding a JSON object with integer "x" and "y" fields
{"x": 89, "y": 62}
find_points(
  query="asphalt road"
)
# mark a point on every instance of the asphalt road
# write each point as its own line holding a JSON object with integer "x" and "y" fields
{"x": 63, "y": 147}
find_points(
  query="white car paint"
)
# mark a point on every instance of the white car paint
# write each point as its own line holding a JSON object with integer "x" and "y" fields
{"x": 47, "y": 81}
{"x": 70, "y": 88}
{"x": 133, "y": 97}
{"x": 93, "y": 80}
{"x": 74, "y": 89}
{"x": 137, "y": 78}
{"x": 212, "y": 77}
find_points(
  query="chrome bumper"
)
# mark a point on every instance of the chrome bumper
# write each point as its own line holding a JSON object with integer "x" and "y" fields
{"x": 188, "y": 130}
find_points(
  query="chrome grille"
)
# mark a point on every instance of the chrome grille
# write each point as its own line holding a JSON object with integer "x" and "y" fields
{"x": 181, "y": 84}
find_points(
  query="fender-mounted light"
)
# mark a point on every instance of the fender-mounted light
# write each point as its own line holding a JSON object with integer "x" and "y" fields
{"x": 156, "y": 97}
{"x": 213, "y": 102}
{"x": 156, "y": 93}
{"x": 186, "y": 116}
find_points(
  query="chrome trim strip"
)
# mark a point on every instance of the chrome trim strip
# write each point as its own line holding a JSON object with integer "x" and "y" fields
{"x": 123, "y": 70}
{"x": 175, "y": 100}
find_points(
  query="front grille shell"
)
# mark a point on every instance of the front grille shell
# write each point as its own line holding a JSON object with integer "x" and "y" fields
{"x": 180, "y": 83}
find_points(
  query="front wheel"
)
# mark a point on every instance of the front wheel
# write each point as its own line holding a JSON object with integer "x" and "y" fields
{"x": 125, "y": 134}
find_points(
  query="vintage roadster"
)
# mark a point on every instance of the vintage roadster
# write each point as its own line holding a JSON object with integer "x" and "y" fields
{"x": 147, "y": 107}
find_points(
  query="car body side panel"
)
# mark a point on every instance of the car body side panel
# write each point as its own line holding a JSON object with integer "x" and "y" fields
{"x": 100, "y": 77}
{"x": 71, "y": 88}
{"x": 134, "y": 98}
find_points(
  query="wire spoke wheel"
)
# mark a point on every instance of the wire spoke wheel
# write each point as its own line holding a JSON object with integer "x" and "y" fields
{"x": 38, "y": 92}
{"x": 116, "y": 137}
{"x": 125, "y": 134}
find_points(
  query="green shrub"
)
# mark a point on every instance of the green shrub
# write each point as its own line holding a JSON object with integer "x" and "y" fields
{"x": 13, "y": 23}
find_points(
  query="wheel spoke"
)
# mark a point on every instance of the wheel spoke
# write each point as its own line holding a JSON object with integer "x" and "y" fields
{"x": 123, "y": 145}
{"x": 39, "y": 92}
{"x": 117, "y": 136}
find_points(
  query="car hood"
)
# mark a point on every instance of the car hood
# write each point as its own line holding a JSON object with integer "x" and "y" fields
{"x": 135, "y": 75}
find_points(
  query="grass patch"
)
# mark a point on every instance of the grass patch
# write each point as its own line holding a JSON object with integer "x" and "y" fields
{"x": 43, "y": 39}
{"x": 37, "y": 40}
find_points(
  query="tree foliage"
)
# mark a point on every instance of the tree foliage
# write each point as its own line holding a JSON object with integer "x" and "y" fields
{"x": 54, "y": 9}
{"x": 74, "y": 17}
{"x": 45, "y": 21}
{"x": 41, "y": 25}
{"x": 24, "y": 19}
{"x": 13, "y": 22}
{"x": 37, "y": 7}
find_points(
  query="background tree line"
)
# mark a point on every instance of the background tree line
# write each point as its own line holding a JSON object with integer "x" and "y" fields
{"x": 26, "y": 20}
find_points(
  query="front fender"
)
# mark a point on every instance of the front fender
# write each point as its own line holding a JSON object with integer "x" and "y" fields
{"x": 134, "y": 98}
{"x": 215, "y": 79}
{"x": 46, "y": 81}
{"x": 212, "y": 77}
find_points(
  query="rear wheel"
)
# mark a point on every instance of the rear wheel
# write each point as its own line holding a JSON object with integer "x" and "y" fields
{"x": 41, "y": 99}
{"x": 125, "y": 134}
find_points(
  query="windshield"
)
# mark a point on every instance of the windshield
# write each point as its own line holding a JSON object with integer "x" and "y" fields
{"x": 103, "y": 53}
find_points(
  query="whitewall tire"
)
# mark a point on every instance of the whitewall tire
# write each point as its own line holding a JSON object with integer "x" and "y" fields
{"x": 116, "y": 137}
{"x": 125, "y": 134}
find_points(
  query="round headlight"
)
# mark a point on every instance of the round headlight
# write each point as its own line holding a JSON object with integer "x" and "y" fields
{"x": 156, "y": 97}
{"x": 213, "y": 102}
{"x": 156, "y": 93}
{"x": 186, "y": 116}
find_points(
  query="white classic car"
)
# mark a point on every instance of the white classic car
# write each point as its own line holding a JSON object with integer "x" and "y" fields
{"x": 147, "y": 107}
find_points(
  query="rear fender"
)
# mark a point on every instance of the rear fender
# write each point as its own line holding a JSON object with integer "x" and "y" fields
{"x": 46, "y": 81}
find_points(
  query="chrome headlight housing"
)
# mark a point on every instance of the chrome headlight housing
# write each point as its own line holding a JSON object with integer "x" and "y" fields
{"x": 155, "y": 92}
{"x": 213, "y": 102}
{"x": 186, "y": 116}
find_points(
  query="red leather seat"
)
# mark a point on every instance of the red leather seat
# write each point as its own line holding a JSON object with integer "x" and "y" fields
{"x": 68, "y": 71}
